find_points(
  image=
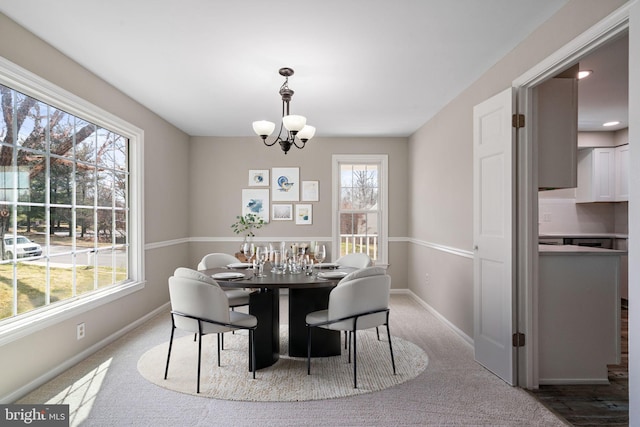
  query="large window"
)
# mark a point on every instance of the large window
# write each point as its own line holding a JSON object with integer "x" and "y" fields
{"x": 67, "y": 227}
{"x": 360, "y": 194}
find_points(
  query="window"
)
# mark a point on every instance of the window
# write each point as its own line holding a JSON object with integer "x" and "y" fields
{"x": 69, "y": 199}
{"x": 360, "y": 206}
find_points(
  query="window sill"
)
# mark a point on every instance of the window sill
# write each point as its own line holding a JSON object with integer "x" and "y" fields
{"x": 28, "y": 324}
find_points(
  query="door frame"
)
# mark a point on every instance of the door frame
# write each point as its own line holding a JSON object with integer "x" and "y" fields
{"x": 527, "y": 182}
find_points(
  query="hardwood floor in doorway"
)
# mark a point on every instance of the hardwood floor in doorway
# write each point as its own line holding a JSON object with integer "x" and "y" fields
{"x": 594, "y": 405}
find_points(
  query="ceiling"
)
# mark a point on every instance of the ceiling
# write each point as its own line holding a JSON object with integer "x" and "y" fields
{"x": 604, "y": 95}
{"x": 362, "y": 67}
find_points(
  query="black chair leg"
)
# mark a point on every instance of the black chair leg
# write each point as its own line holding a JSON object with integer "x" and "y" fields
{"x": 393, "y": 362}
{"x": 308, "y": 350}
{"x": 166, "y": 369}
{"x": 355, "y": 361}
{"x": 199, "y": 360}
{"x": 219, "y": 339}
{"x": 377, "y": 333}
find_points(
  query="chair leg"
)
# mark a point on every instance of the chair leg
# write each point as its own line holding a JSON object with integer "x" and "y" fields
{"x": 222, "y": 341}
{"x": 345, "y": 339}
{"x": 393, "y": 362}
{"x": 355, "y": 360}
{"x": 219, "y": 340}
{"x": 349, "y": 352}
{"x": 377, "y": 333}
{"x": 199, "y": 360}
{"x": 166, "y": 369}
{"x": 308, "y": 350}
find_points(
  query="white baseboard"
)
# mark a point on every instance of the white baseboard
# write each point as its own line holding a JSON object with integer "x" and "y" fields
{"x": 466, "y": 338}
{"x": 44, "y": 378}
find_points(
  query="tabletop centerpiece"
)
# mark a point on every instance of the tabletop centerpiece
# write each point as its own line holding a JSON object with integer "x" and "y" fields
{"x": 245, "y": 225}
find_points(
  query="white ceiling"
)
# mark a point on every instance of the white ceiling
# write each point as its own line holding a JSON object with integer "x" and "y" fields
{"x": 363, "y": 67}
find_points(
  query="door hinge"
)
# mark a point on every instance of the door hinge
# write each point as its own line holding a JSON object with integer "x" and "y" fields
{"x": 518, "y": 339}
{"x": 517, "y": 121}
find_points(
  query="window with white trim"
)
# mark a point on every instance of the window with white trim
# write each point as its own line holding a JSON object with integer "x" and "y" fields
{"x": 70, "y": 204}
{"x": 360, "y": 206}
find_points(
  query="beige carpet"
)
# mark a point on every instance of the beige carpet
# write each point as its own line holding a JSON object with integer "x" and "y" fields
{"x": 106, "y": 389}
{"x": 287, "y": 380}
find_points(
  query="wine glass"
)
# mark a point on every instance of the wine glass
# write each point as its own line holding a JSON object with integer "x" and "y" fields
{"x": 320, "y": 254}
{"x": 252, "y": 251}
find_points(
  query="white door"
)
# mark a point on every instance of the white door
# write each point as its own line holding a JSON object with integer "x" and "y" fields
{"x": 493, "y": 216}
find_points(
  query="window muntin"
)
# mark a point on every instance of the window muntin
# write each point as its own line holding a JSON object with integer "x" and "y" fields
{"x": 64, "y": 185}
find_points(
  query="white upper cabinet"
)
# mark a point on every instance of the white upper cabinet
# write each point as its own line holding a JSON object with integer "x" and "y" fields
{"x": 596, "y": 175}
{"x": 622, "y": 173}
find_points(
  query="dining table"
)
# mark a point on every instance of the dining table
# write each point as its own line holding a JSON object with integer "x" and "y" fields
{"x": 307, "y": 293}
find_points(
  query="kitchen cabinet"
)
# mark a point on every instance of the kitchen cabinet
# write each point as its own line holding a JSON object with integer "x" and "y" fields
{"x": 596, "y": 175}
{"x": 578, "y": 314}
{"x": 622, "y": 173}
{"x": 603, "y": 174}
{"x": 556, "y": 131}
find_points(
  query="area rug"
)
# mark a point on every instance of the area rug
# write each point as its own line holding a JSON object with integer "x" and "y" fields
{"x": 287, "y": 379}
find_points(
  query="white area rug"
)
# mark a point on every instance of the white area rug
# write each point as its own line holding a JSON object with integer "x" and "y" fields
{"x": 287, "y": 379}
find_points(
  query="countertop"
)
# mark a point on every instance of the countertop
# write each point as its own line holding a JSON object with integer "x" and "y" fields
{"x": 585, "y": 235}
{"x": 577, "y": 250}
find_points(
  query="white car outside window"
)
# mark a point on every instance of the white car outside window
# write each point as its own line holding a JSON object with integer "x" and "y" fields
{"x": 23, "y": 247}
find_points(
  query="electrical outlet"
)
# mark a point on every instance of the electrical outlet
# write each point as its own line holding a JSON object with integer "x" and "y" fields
{"x": 546, "y": 217}
{"x": 80, "y": 331}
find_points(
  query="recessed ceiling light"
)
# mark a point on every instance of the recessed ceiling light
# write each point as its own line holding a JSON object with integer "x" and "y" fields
{"x": 584, "y": 73}
{"x": 610, "y": 124}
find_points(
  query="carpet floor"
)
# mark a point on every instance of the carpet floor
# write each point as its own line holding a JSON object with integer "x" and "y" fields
{"x": 287, "y": 379}
{"x": 106, "y": 389}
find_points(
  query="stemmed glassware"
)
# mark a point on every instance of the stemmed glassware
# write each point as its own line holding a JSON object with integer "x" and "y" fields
{"x": 320, "y": 254}
{"x": 252, "y": 252}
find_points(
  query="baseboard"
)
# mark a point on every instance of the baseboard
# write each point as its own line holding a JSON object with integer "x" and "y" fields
{"x": 573, "y": 381}
{"x": 466, "y": 338}
{"x": 44, "y": 378}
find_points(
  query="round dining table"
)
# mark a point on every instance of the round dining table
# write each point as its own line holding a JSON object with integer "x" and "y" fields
{"x": 307, "y": 293}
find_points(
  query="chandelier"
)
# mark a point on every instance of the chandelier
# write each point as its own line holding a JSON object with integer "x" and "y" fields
{"x": 297, "y": 131}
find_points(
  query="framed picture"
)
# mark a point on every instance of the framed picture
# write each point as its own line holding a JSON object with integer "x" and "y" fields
{"x": 259, "y": 178}
{"x": 282, "y": 212}
{"x": 310, "y": 191}
{"x": 285, "y": 184}
{"x": 303, "y": 214}
{"x": 256, "y": 202}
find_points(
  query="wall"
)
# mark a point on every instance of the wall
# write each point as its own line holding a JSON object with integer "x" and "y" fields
{"x": 165, "y": 178}
{"x": 440, "y": 170}
{"x": 219, "y": 171}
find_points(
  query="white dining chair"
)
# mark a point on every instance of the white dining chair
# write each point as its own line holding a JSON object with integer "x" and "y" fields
{"x": 355, "y": 260}
{"x": 237, "y": 297}
{"x": 201, "y": 307}
{"x": 359, "y": 301}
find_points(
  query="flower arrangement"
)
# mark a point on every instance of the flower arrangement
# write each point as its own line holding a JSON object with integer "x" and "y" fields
{"x": 246, "y": 224}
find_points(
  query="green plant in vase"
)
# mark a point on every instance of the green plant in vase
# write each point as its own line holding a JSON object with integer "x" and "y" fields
{"x": 245, "y": 225}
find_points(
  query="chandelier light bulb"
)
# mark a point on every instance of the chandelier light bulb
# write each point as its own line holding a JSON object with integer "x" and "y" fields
{"x": 306, "y": 133}
{"x": 294, "y": 123}
{"x": 263, "y": 128}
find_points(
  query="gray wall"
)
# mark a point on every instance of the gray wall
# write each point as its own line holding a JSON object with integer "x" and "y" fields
{"x": 441, "y": 169}
{"x": 165, "y": 180}
{"x": 219, "y": 171}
